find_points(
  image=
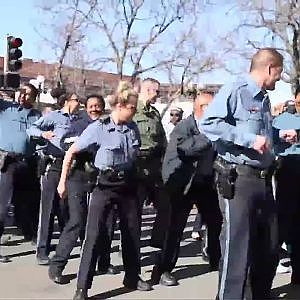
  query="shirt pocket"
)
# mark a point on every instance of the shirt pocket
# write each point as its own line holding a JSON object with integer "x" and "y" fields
{"x": 143, "y": 126}
{"x": 114, "y": 154}
{"x": 20, "y": 123}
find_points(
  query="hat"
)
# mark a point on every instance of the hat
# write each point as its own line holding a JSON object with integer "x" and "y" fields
{"x": 176, "y": 108}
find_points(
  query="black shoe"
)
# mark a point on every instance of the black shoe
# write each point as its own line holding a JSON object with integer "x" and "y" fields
{"x": 80, "y": 294}
{"x": 110, "y": 270}
{"x": 4, "y": 259}
{"x": 168, "y": 279}
{"x": 57, "y": 277}
{"x": 140, "y": 285}
{"x": 42, "y": 260}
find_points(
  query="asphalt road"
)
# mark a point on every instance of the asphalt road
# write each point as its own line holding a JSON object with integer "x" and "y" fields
{"x": 22, "y": 278}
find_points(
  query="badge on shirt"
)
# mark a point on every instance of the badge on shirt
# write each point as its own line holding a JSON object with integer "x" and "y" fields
{"x": 254, "y": 109}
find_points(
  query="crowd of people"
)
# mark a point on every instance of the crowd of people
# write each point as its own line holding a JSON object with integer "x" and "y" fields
{"x": 87, "y": 168}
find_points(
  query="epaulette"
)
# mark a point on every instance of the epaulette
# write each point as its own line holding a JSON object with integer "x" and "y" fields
{"x": 240, "y": 82}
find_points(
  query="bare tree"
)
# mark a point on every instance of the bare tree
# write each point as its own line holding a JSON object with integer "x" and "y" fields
{"x": 67, "y": 28}
{"x": 134, "y": 29}
{"x": 274, "y": 23}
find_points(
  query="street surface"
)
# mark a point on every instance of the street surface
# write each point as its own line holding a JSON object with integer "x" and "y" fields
{"x": 22, "y": 278}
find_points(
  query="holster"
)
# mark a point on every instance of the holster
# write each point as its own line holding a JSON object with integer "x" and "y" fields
{"x": 92, "y": 175}
{"x": 226, "y": 177}
{"x": 44, "y": 161}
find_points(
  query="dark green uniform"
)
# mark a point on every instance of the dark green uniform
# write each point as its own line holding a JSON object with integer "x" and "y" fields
{"x": 153, "y": 144}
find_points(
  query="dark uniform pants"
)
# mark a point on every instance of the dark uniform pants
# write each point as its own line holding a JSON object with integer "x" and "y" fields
{"x": 101, "y": 204}
{"x": 75, "y": 227}
{"x": 198, "y": 223}
{"x": 206, "y": 199}
{"x": 50, "y": 205}
{"x": 149, "y": 180}
{"x": 249, "y": 241}
{"x": 288, "y": 198}
{"x": 20, "y": 186}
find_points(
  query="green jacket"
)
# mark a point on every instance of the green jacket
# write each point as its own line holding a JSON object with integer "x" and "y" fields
{"x": 148, "y": 120}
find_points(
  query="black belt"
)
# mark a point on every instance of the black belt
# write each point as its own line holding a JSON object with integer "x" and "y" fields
{"x": 13, "y": 155}
{"x": 245, "y": 170}
{"x": 114, "y": 176}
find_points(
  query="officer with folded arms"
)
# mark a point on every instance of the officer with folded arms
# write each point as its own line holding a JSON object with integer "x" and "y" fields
{"x": 240, "y": 123}
{"x": 51, "y": 127}
{"x": 17, "y": 154}
{"x": 117, "y": 141}
{"x": 81, "y": 181}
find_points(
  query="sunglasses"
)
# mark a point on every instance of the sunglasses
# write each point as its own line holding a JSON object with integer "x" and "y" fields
{"x": 174, "y": 115}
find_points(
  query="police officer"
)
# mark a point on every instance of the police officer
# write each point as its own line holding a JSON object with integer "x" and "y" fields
{"x": 153, "y": 142}
{"x": 287, "y": 177}
{"x": 16, "y": 158}
{"x": 51, "y": 127}
{"x": 117, "y": 140}
{"x": 239, "y": 121}
{"x": 81, "y": 181}
{"x": 188, "y": 174}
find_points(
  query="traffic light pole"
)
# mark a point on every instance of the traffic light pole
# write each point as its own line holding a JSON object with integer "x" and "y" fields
{"x": 5, "y": 62}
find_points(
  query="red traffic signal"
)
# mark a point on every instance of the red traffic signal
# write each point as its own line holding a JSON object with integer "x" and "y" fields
{"x": 14, "y": 42}
{"x": 13, "y": 53}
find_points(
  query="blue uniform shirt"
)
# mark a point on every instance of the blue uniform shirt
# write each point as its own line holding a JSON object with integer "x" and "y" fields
{"x": 117, "y": 145}
{"x": 239, "y": 112}
{"x": 57, "y": 121}
{"x": 283, "y": 122}
{"x": 14, "y": 121}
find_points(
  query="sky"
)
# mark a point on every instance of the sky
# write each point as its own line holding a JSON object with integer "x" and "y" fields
{"x": 22, "y": 19}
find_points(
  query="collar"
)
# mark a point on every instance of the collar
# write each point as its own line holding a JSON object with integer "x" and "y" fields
{"x": 70, "y": 116}
{"x": 111, "y": 126}
{"x": 28, "y": 111}
{"x": 141, "y": 105}
{"x": 63, "y": 112}
{"x": 253, "y": 87}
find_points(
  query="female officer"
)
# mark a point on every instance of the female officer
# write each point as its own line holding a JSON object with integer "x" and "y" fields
{"x": 117, "y": 141}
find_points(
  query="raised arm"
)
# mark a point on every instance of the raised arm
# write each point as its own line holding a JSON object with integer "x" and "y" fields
{"x": 219, "y": 121}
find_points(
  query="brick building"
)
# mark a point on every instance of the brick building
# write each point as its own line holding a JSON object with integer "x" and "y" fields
{"x": 85, "y": 81}
{"x": 82, "y": 81}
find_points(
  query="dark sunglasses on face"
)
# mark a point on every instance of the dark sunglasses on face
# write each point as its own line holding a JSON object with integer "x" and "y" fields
{"x": 174, "y": 115}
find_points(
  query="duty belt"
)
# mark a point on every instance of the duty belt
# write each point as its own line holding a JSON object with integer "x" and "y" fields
{"x": 112, "y": 174}
{"x": 12, "y": 155}
{"x": 245, "y": 170}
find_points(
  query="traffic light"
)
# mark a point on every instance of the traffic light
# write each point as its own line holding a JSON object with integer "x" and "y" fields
{"x": 14, "y": 54}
